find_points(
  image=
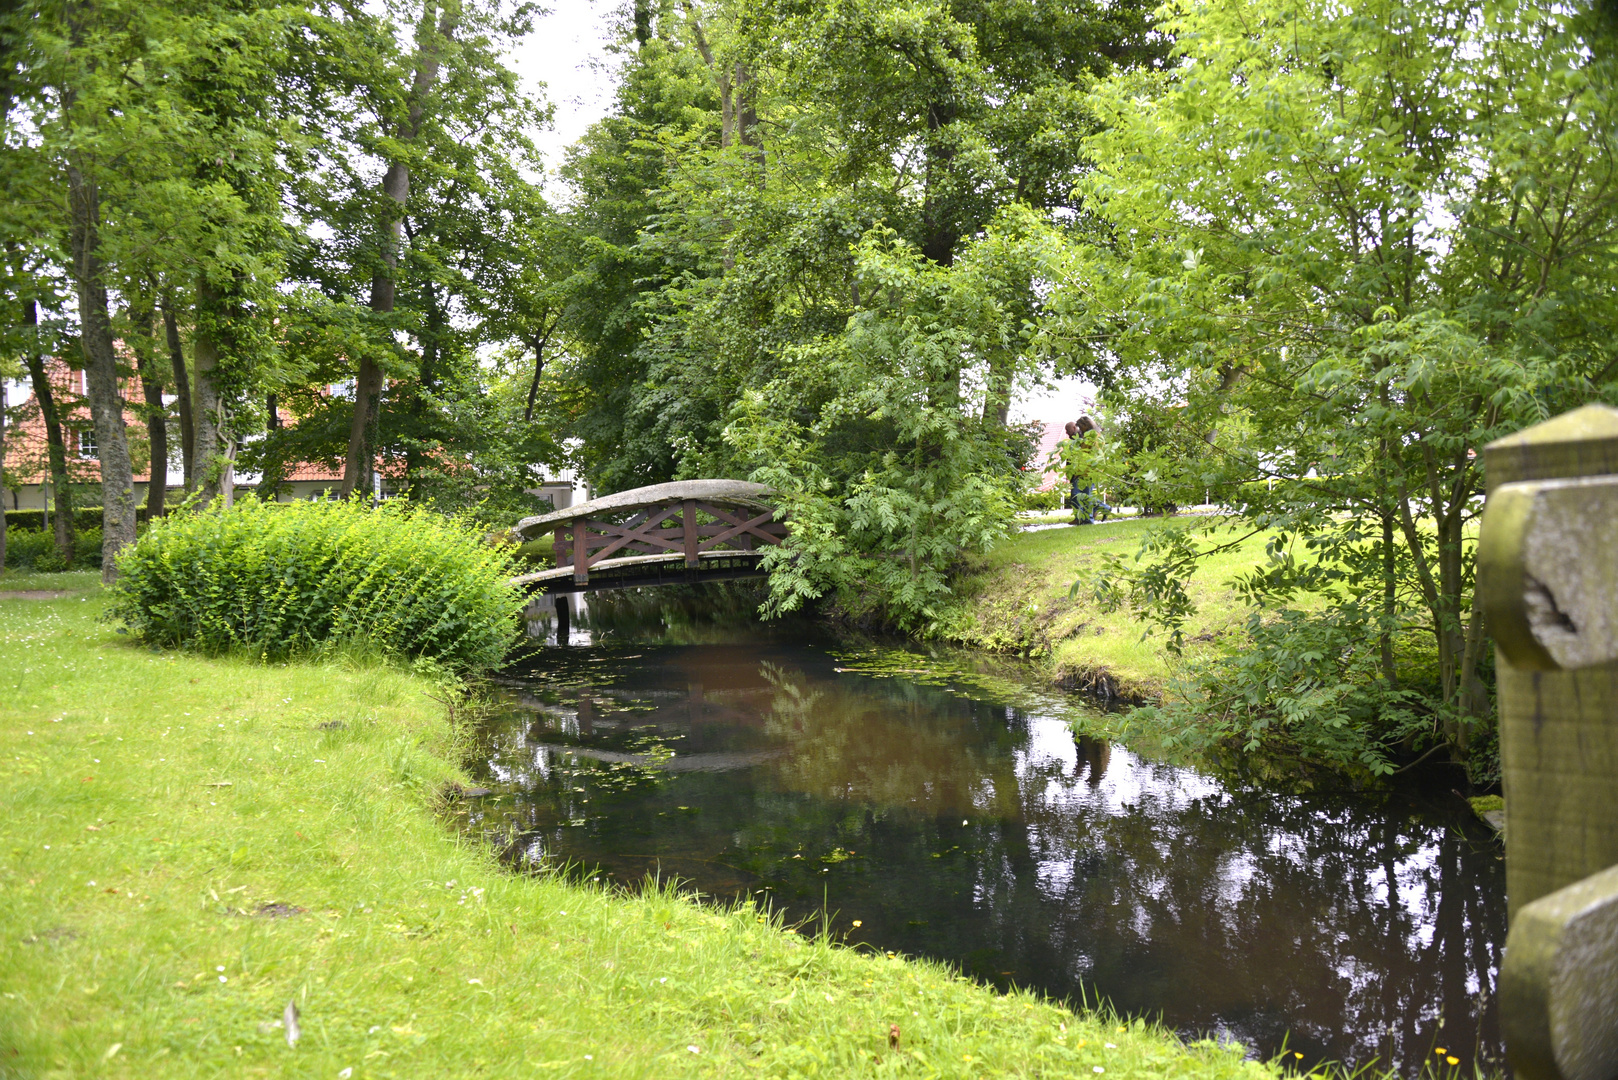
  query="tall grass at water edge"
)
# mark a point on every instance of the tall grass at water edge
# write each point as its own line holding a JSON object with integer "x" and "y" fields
{"x": 290, "y": 579}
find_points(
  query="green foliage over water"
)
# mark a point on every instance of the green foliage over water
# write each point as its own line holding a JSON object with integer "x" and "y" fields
{"x": 280, "y": 580}
{"x": 819, "y": 241}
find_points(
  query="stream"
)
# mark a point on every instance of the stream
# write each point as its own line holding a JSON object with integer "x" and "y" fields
{"x": 950, "y": 809}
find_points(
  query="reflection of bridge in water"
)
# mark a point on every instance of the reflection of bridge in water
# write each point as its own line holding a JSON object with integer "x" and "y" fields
{"x": 666, "y": 534}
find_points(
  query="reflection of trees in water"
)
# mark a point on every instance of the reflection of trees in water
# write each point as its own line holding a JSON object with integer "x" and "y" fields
{"x": 1350, "y": 924}
{"x": 892, "y": 746}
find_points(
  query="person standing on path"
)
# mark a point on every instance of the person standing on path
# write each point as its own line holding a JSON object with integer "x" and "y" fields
{"x": 1078, "y": 453}
{"x": 1065, "y": 451}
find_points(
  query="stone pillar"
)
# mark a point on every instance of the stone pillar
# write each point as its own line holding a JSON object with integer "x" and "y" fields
{"x": 1548, "y": 580}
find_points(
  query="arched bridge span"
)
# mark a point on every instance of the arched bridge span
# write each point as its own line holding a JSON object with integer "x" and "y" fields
{"x": 664, "y": 534}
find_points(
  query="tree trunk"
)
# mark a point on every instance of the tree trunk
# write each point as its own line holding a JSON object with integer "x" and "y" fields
{"x": 143, "y": 345}
{"x": 101, "y": 373}
{"x": 643, "y": 22}
{"x": 182, "y": 391}
{"x": 269, "y": 483}
{"x": 539, "y": 369}
{"x": 997, "y": 394}
{"x": 727, "y": 100}
{"x": 748, "y": 133}
{"x": 208, "y": 412}
{"x": 227, "y": 473}
{"x": 413, "y": 401}
{"x": 360, "y": 463}
{"x": 45, "y": 395}
{"x": 1450, "y": 647}
{"x": 1390, "y": 586}
{"x": 940, "y": 232}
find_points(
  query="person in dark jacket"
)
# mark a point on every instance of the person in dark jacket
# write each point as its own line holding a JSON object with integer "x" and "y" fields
{"x": 1078, "y": 452}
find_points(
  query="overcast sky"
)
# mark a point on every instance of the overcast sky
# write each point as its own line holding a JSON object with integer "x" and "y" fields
{"x": 566, "y": 55}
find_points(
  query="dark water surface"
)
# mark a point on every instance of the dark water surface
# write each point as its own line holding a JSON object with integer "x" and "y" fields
{"x": 960, "y": 820}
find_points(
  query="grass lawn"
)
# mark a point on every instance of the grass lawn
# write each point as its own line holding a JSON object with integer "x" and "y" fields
{"x": 190, "y": 844}
{"x": 1016, "y": 599}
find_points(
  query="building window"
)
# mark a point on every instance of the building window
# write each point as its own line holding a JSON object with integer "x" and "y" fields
{"x": 87, "y": 444}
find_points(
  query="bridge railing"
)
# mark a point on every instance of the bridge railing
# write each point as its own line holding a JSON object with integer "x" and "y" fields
{"x": 689, "y": 527}
{"x": 694, "y": 522}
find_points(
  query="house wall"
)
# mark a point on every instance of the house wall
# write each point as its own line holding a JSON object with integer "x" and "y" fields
{"x": 34, "y": 496}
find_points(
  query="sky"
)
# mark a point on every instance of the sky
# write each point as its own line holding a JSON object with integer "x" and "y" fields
{"x": 565, "y": 60}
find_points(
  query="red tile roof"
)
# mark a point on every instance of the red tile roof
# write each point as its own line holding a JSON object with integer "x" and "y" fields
{"x": 27, "y": 456}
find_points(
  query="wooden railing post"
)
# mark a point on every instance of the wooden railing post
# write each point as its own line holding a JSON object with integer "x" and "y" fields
{"x": 581, "y": 557}
{"x": 688, "y": 516}
{"x": 1548, "y": 580}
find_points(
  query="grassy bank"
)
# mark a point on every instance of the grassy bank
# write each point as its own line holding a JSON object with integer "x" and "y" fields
{"x": 1015, "y": 599}
{"x": 192, "y": 843}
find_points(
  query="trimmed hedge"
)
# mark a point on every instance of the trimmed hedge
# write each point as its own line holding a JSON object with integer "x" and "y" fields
{"x": 84, "y": 517}
{"x": 283, "y": 579}
{"x": 28, "y": 549}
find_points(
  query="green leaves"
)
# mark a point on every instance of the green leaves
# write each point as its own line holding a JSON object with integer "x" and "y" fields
{"x": 1333, "y": 252}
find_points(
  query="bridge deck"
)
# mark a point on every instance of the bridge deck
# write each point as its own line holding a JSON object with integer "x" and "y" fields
{"x": 642, "y": 571}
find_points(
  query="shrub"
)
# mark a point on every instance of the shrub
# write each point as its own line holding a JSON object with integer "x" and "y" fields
{"x": 280, "y": 580}
{"x": 1050, "y": 499}
{"x": 1304, "y": 682}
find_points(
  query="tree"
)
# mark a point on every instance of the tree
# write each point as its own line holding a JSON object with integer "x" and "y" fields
{"x": 753, "y": 213}
{"x": 1356, "y": 249}
{"x": 50, "y": 412}
{"x": 139, "y": 337}
{"x": 434, "y": 30}
{"x": 84, "y": 141}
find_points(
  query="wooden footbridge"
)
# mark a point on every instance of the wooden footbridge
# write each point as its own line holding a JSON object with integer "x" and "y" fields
{"x": 684, "y": 532}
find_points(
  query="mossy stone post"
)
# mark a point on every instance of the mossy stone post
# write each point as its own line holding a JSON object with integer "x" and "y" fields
{"x": 1548, "y": 580}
